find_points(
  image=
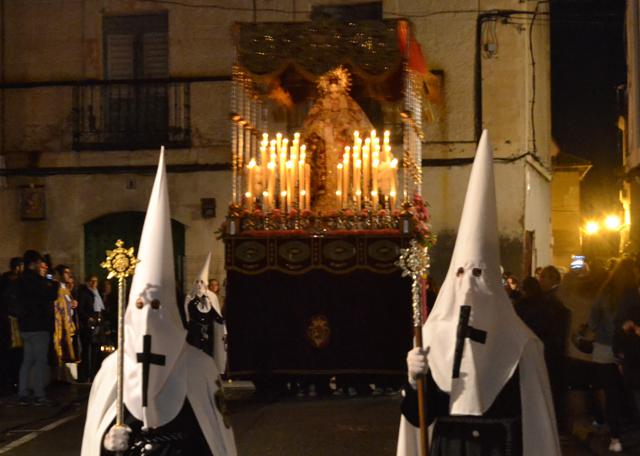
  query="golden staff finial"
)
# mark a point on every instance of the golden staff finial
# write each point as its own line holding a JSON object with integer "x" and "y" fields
{"x": 121, "y": 263}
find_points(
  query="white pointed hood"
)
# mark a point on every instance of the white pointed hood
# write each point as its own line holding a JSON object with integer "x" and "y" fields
{"x": 152, "y": 314}
{"x": 200, "y": 289}
{"x": 200, "y": 285}
{"x": 204, "y": 272}
{"x": 473, "y": 279}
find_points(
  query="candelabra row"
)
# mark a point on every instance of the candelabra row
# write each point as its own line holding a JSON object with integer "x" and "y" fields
{"x": 280, "y": 176}
{"x": 368, "y": 174}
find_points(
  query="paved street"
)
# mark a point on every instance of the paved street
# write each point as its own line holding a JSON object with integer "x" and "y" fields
{"x": 292, "y": 427}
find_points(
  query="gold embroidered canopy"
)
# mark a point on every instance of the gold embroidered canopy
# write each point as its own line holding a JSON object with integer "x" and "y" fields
{"x": 369, "y": 48}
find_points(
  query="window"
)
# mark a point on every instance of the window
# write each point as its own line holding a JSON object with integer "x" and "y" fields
{"x": 136, "y": 48}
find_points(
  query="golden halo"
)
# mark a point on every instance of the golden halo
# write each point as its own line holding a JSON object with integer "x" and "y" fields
{"x": 339, "y": 75}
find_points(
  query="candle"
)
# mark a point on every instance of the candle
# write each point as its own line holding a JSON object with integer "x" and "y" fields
{"x": 387, "y": 152}
{"x": 263, "y": 155}
{"x": 385, "y": 146}
{"x": 357, "y": 166}
{"x": 374, "y": 175}
{"x": 248, "y": 200}
{"x": 307, "y": 184}
{"x": 365, "y": 168}
{"x": 301, "y": 184}
{"x": 294, "y": 167}
{"x": 251, "y": 176}
{"x": 356, "y": 151}
{"x": 392, "y": 196}
{"x": 283, "y": 201}
{"x": 393, "y": 174}
{"x": 271, "y": 186}
{"x": 339, "y": 182}
{"x": 265, "y": 201}
{"x": 383, "y": 177}
{"x": 282, "y": 177}
{"x": 290, "y": 183}
{"x": 345, "y": 173}
{"x": 374, "y": 200}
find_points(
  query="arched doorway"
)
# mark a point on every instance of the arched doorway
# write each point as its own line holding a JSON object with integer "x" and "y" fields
{"x": 101, "y": 234}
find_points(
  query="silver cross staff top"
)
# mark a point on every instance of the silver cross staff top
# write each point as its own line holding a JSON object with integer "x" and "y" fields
{"x": 415, "y": 262}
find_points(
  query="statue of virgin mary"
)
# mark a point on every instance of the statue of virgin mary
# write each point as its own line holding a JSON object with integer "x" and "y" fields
{"x": 328, "y": 128}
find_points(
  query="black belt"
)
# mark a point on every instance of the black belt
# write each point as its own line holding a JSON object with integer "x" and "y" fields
{"x": 148, "y": 444}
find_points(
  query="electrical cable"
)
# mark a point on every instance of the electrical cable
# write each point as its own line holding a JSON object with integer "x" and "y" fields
{"x": 290, "y": 11}
{"x": 533, "y": 79}
{"x": 573, "y": 18}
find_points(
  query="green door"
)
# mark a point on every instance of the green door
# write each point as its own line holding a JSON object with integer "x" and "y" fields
{"x": 102, "y": 233}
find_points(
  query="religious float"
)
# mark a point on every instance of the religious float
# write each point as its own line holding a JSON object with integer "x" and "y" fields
{"x": 326, "y": 191}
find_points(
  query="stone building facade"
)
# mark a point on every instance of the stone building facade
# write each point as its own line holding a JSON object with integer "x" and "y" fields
{"x": 67, "y": 186}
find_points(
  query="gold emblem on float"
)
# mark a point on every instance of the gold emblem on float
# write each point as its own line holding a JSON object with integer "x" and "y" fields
{"x": 318, "y": 331}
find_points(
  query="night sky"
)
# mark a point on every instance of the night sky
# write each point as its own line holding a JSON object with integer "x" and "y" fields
{"x": 588, "y": 63}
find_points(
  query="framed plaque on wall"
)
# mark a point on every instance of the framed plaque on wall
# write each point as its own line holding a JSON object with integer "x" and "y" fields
{"x": 32, "y": 202}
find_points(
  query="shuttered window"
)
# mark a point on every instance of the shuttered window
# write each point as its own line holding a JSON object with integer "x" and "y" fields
{"x": 136, "y": 47}
{"x": 120, "y": 56}
{"x": 154, "y": 55}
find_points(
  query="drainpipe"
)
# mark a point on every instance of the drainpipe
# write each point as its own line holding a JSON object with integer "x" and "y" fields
{"x": 2, "y": 80}
{"x": 477, "y": 73}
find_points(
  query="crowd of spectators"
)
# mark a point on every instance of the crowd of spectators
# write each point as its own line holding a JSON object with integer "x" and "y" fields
{"x": 603, "y": 303}
{"x": 50, "y": 328}
{"x": 53, "y": 329}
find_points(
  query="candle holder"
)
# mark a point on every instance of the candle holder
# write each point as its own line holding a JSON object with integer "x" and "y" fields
{"x": 267, "y": 221}
{"x": 234, "y": 219}
{"x": 405, "y": 218}
{"x": 306, "y": 219}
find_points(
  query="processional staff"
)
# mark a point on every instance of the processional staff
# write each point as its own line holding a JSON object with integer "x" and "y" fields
{"x": 414, "y": 263}
{"x": 121, "y": 263}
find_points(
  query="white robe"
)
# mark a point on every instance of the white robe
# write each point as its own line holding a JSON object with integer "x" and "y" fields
{"x": 195, "y": 368}
{"x": 539, "y": 435}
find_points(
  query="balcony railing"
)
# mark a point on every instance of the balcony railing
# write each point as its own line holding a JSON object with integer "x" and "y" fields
{"x": 130, "y": 115}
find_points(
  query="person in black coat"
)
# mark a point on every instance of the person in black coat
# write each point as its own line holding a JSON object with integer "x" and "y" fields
{"x": 9, "y": 336}
{"x": 531, "y": 310}
{"x": 556, "y": 341}
{"x": 36, "y": 295}
{"x": 626, "y": 344}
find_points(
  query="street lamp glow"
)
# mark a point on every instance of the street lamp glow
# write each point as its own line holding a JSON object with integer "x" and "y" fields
{"x": 591, "y": 227}
{"x": 612, "y": 222}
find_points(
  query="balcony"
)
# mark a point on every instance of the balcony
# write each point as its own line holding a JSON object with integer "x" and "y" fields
{"x": 131, "y": 115}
